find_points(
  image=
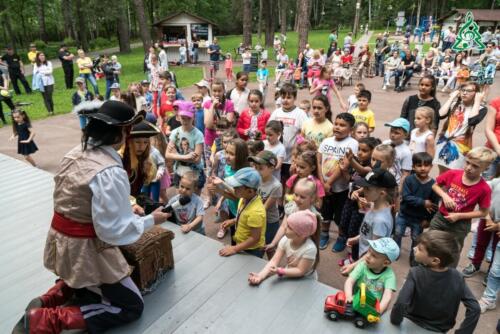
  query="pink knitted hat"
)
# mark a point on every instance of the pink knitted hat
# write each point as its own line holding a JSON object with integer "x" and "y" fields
{"x": 304, "y": 223}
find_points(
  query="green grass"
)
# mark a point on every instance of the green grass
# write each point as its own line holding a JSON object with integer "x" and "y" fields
{"x": 371, "y": 42}
{"x": 132, "y": 72}
{"x": 317, "y": 39}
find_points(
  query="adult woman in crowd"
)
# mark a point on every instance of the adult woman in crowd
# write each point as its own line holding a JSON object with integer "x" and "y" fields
{"x": 85, "y": 66}
{"x": 457, "y": 63}
{"x": 282, "y": 59}
{"x": 463, "y": 111}
{"x": 42, "y": 71}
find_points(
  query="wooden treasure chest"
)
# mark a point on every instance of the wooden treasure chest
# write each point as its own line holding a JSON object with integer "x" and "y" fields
{"x": 150, "y": 256}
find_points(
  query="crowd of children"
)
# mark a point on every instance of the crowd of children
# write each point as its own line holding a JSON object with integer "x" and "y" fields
{"x": 277, "y": 181}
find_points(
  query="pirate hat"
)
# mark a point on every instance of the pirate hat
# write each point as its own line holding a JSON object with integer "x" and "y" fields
{"x": 110, "y": 112}
{"x": 144, "y": 129}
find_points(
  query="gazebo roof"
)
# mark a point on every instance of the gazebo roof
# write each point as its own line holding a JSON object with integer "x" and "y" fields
{"x": 479, "y": 14}
{"x": 171, "y": 16}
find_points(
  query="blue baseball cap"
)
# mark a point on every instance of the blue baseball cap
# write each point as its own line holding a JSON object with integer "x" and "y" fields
{"x": 247, "y": 177}
{"x": 386, "y": 246}
{"x": 400, "y": 123}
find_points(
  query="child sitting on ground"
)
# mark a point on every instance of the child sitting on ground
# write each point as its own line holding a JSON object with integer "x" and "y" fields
{"x": 432, "y": 292}
{"x": 190, "y": 215}
{"x": 251, "y": 218}
{"x": 299, "y": 245}
{"x": 461, "y": 191}
{"x": 375, "y": 271}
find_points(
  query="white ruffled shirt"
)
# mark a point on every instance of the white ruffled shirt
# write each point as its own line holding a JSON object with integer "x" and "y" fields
{"x": 112, "y": 215}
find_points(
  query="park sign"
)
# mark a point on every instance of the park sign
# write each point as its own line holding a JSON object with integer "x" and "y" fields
{"x": 468, "y": 36}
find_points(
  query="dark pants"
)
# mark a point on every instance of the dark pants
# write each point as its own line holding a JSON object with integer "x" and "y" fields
{"x": 68, "y": 75}
{"x": 9, "y": 103}
{"x": 408, "y": 73}
{"x": 332, "y": 207}
{"x": 458, "y": 229}
{"x": 379, "y": 64}
{"x": 483, "y": 240}
{"x": 108, "y": 86}
{"x": 119, "y": 304}
{"x": 47, "y": 98}
{"x": 17, "y": 75}
{"x": 415, "y": 225}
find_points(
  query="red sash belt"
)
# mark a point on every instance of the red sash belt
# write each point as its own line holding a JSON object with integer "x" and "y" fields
{"x": 72, "y": 228}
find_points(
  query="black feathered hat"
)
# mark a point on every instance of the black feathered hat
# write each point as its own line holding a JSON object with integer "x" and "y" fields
{"x": 110, "y": 112}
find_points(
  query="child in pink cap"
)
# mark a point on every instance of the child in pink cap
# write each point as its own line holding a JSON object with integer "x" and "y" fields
{"x": 299, "y": 245}
{"x": 191, "y": 161}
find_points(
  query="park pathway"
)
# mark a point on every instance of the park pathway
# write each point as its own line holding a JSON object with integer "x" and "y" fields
{"x": 56, "y": 63}
{"x": 363, "y": 40}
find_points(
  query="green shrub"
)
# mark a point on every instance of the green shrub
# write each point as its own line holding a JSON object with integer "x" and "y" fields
{"x": 69, "y": 42}
{"x": 40, "y": 45}
{"x": 100, "y": 43}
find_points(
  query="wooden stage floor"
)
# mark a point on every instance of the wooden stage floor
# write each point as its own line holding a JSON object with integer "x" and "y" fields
{"x": 204, "y": 293}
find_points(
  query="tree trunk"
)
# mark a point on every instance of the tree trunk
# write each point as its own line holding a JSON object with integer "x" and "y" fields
{"x": 247, "y": 23}
{"x": 303, "y": 22}
{"x": 269, "y": 22}
{"x": 259, "y": 24}
{"x": 296, "y": 23}
{"x": 41, "y": 20}
{"x": 8, "y": 28}
{"x": 67, "y": 17}
{"x": 356, "y": 18}
{"x": 81, "y": 25}
{"x": 122, "y": 27}
{"x": 143, "y": 24}
{"x": 283, "y": 16}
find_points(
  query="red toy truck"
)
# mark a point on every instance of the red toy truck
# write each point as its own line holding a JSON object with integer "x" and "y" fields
{"x": 365, "y": 307}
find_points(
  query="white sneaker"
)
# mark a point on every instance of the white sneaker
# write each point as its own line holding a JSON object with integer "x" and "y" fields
{"x": 486, "y": 306}
{"x": 385, "y": 87}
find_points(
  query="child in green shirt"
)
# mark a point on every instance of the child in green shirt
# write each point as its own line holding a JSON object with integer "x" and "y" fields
{"x": 374, "y": 270}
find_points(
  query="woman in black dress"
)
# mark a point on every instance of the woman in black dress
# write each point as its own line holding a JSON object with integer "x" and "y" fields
{"x": 22, "y": 129}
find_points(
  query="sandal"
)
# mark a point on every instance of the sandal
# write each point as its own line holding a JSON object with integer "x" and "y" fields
{"x": 221, "y": 233}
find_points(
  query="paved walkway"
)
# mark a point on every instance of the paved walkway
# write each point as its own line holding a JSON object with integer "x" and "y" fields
{"x": 363, "y": 40}
{"x": 57, "y": 135}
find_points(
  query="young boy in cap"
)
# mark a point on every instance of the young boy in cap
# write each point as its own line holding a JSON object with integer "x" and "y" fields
{"x": 378, "y": 188}
{"x": 400, "y": 128}
{"x": 204, "y": 89}
{"x": 251, "y": 218}
{"x": 375, "y": 271}
{"x": 270, "y": 190}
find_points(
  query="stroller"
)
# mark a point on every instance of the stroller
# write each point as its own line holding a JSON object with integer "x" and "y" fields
{"x": 343, "y": 75}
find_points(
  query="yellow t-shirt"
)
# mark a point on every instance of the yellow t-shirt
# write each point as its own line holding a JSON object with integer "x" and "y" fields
{"x": 32, "y": 56}
{"x": 252, "y": 216}
{"x": 317, "y": 132}
{"x": 366, "y": 116}
{"x": 84, "y": 62}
